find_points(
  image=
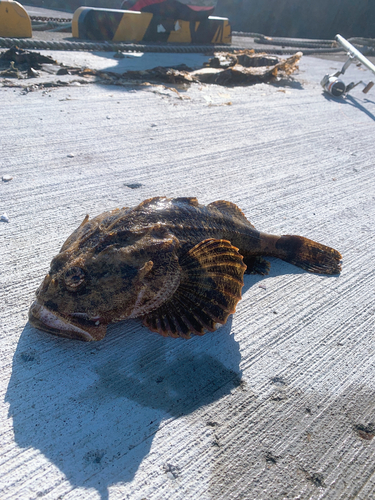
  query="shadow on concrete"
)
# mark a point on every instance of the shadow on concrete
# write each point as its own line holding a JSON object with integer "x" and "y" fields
{"x": 93, "y": 410}
{"x": 351, "y": 101}
{"x": 354, "y": 102}
{"x": 287, "y": 82}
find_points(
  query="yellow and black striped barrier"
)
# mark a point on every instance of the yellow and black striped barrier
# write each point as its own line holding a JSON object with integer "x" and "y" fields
{"x": 14, "y": 20}
{"x": 132, "y": 26}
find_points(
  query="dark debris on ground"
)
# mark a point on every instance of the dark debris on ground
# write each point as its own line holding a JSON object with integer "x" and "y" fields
{"x": 243, "y": 67}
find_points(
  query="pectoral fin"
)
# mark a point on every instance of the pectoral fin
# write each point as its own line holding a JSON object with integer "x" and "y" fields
{"x": 208, "y": 292}
{"x": 158, "y": 279}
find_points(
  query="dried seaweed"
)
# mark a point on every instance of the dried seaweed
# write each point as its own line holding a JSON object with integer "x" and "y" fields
{"x": 239, "y": 68}
{"x": 246, "y": 67}
{"x": 242, "y": 67}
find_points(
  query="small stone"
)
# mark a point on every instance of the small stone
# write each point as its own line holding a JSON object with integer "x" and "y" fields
{"x": 6, "y": 178}
{"x": 4, "y": 217}
{"x": 366, "y": 432}
{"x": 70, "y": 155}
{"x": 108, "y": 117}
{"x": 172, "y": 471}
{"x": 211, "y": 423}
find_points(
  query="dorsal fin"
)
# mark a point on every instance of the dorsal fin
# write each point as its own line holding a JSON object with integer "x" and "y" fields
{"x": 75, "y": 234}
{"x": 150, "y": 201}
{"x": 86, "y": 219}
{"x": 210, "y": 287}
{"x": 189, "y": 201}
{"x": 228, "y": 208}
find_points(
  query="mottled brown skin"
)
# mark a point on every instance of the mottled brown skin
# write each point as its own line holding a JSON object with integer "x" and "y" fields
{"x": 174, "y": 263}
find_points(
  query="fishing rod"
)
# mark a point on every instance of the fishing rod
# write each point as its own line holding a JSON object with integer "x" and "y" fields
{"x": 333, "y": 84}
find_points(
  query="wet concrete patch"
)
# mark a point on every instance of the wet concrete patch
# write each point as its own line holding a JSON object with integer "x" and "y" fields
{"x": 298, "y": 450}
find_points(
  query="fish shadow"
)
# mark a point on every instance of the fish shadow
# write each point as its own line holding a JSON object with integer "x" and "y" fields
{"x": 93, "y": 409}
{"x": 287, "y": 82}
{"x": 279, "y": 268}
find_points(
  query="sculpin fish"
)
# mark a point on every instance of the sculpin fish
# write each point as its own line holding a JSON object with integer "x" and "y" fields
{"x": 175, "y": 264}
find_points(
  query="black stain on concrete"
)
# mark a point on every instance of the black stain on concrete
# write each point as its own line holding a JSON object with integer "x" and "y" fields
{"x": 134, "y": 185}
{"x": 271, "y": 458}
{"x": 366, "y": 432}
{"x": 316, "y": 478}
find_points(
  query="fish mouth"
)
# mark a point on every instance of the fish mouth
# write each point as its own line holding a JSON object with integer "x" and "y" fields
{"x": 68, "y": 326}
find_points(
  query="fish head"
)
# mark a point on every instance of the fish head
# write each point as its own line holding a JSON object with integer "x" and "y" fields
{"x": 89, "y": 286}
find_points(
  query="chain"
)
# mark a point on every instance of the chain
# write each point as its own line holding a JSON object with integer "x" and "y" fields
{"x": 48, "y": 19}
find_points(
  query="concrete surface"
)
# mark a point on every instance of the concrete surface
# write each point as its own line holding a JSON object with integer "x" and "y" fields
{"x": 280, "y": 402}
{"x": 42, "y": 12}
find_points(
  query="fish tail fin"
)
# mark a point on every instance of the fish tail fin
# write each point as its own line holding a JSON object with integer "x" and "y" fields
{"x": 308, "y": 254}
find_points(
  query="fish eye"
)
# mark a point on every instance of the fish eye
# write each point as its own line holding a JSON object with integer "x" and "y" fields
{"x": 74, "y": 278}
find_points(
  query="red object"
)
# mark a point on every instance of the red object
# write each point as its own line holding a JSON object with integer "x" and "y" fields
{"x": 197, "y": 8}
{"x": 141, "y": 4}
{"x": 170, "y": 9}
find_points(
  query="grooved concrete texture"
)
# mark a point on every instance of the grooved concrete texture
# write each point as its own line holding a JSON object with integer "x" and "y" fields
{"x": 280, "y": 402}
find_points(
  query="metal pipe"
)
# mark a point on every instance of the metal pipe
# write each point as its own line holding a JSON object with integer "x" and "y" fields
{"x": 353, "y": 52}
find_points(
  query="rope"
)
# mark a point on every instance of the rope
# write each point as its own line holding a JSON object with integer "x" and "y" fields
{"x": 309, "y": 46}
{"x": 366, "y": 43}
{"x": 41, "y": 23}
{"x": 246, "y": 34}
{"x": 29, "y": 43}
{"x": 54, "y": 23}
{"x": 289, "y": 42}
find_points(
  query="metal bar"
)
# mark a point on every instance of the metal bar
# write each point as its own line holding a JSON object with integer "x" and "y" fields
{"x": 355, "y": 53}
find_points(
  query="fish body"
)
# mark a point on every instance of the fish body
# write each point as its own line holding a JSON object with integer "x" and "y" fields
{"x": 176, "y": 264}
